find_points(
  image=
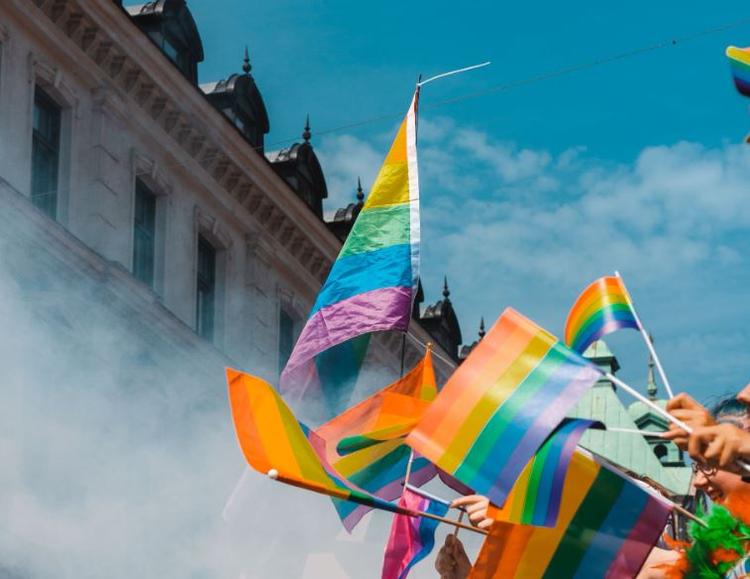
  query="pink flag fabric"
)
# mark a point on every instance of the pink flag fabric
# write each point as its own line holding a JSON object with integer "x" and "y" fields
{"x": 411, "y": 538}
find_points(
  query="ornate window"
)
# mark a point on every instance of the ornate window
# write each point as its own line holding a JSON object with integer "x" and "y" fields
{"x": 206, "y": 289}
{"x": 144, "y": 234}
{"x": 286, "y": 337}
{"x": 45, "y": 153}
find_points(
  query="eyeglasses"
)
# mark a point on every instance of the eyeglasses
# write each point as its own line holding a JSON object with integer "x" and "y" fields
{"x": 707, "y": 471}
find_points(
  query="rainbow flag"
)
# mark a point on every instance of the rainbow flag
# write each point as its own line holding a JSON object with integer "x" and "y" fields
{"x": 739, "y": 62}
{"x": 501, "y": 404}
{"x": 411, "y": 538}
{"x": 365, "y": 444}
{"x": 372, "y": 283}
{"x": 603, "y": 307}
{"x": 607, "y": 527}
{"x": 535, "y": 498}
{"x": 274, "y": 443}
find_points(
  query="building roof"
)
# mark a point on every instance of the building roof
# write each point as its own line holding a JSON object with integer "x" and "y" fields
{"x": 630, "y": 451}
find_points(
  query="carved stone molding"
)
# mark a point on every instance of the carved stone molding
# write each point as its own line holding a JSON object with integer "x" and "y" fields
{"x": 132, "y": 77}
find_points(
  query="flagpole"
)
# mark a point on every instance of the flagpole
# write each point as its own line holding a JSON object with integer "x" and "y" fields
{"x": 421, "y": 83}
{"x": 345, "y": 496}
{"x": 635, "y": 431}
{"x": 649, "y": 343}
{"x": 460, "y": 518}
{"x": 659, "y": 410}
{"x": 409, "y": 463}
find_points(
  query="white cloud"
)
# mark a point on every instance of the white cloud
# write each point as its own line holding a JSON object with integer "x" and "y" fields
{"x": 345, "y": 159}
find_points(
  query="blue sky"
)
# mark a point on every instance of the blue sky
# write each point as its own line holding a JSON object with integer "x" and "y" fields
{"x": 529, "y": 194}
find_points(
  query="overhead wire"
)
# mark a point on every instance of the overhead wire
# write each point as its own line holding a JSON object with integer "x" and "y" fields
{"x": 517, "y": 83}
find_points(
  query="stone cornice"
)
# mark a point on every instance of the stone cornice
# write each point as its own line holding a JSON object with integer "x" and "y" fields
{"x": 138, "y": 69}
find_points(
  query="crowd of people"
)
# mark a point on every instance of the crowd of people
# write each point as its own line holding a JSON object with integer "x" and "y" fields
{"x": 719, "y": 445}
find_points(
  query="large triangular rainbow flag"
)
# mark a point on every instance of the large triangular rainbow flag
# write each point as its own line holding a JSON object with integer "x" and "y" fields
{"x": 739, "y": 61}
{"x": 606, "y": 528}
{"x": 372, "y": 283}
{"x": 365, "y": 444}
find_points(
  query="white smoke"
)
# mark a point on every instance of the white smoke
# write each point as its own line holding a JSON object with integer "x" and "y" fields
{"x": 117, "y": 453}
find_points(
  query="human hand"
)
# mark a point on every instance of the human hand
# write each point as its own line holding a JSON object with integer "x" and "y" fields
{"x": 721, "y": 446}
{"x": 476, "y": 507}
{"x": 452, "y": 562}
{"x": 685, "y": 408}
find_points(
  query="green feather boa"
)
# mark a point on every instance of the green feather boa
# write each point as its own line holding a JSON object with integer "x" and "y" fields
{"x": 717, "y": 547}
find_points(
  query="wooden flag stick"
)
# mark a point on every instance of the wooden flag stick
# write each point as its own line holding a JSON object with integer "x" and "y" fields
{"x": 344, "y": 495}
{"x": 649, "y": 345}
{"x": 460, "y": 518}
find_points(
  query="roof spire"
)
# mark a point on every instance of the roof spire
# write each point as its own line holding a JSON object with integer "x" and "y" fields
{"x": 482, "y": 333}
{"x": 446, "y": 291}
{"x": 306, "y": 134}
{"x": 650, "y": 382}
{"x": 246, "y": 67}
{"x": 360, "y": 193}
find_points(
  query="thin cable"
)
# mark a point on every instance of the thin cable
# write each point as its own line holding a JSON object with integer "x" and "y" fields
{"x": 416, "y": 340}
{"x": 508, "y": 86}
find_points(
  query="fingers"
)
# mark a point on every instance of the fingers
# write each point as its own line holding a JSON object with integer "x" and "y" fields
{"x": 476, "y": 507}
{"x": 695, "y": 418}
{"x": 676, "y": 435}
{"x": 728, "y": 455}
{"x": 682, "y": 400}
{"x": 695, "y": 445}
{"x": 467, "y": 500}
{"x": 673, "y": 433}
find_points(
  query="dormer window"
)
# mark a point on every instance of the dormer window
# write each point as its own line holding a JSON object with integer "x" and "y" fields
{"x": 169, "y": 24}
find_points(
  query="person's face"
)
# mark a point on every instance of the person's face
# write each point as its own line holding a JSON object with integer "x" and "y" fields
{"x": 744, "y": 396}
{"x": 718, "y": 485}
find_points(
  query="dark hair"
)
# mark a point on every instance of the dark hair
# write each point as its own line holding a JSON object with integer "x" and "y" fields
{"x": 728, "y": 406}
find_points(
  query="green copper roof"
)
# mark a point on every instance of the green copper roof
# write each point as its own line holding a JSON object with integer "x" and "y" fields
{"x": 630, "y": 451}
{"x": 598, "y": 349}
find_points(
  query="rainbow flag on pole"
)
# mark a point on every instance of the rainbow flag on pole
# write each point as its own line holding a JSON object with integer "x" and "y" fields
{"x": 411, "y": 538}
{"x": 536, "y": 495}
{"x": 603, "y": 307}
{"x": 372, "y": 283}
{"x": 365, "y": 444}
{"x": 501, "y": 404}
{"x": 276, "y": 444}
{"x": 739, "y": 61}
{"x": 607, "y": 527}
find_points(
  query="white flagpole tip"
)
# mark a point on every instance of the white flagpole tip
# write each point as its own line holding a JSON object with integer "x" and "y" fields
{"x": 452, "y": 72}
{"x": 273, "y": 473}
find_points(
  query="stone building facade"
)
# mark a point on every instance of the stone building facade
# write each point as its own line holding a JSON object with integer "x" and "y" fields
{"x": 106, "y": 131}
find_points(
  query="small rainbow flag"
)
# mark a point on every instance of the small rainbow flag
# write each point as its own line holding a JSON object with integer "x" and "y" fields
{"x": 739, "y": 62}
{"x": 372, "y": 283}
{"x": 276, "y": 444}
{"x": 411, "y": 538}
{"x": 365, "y": 444}
{"x": 535, "y": 498}
{"x": 501, "y": 404}
{"x": 607, "y": 527}
{"x": 603, "y": 307}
